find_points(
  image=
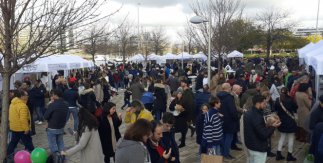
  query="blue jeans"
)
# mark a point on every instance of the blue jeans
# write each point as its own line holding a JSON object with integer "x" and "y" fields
{"x": 157, "y": 115}
{"x": 40, "y": 113}
{"x": 25, "y": 138}
{"x": 55, "y": 139}
{"x": 227, "y": 144}
{"x": 74, "y": 111}
{"x": 256, "y": 157}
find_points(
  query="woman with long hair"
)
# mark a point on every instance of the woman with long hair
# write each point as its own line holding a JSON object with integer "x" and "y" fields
{"x": 286, "y": 108}
{"x": 132, "y": 149}
{"x": 109, "y": 132}
{"x": 88, "y": 139}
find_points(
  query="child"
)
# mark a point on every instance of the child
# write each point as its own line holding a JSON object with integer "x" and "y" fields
{"x": 212, "y": 130}
{"x": 126, "y": 99}
{"x": 200, "y": 125}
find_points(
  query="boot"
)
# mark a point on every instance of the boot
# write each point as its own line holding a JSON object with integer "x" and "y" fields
{"x": 290, "y": 157}
{"x": 279, "y": 156}
{"x": 192, "y": 130}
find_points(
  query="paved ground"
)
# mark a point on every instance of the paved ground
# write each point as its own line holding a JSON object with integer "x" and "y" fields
{"x": 188, "y": 154}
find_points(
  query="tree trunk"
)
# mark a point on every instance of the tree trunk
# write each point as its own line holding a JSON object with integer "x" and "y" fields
{"x": 219, "y": 62}
{"x": 5, "y": 115}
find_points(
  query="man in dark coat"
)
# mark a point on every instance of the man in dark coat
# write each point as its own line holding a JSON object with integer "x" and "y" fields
{"x": 188, "y": 103}
{"x": 256, "y": 131}
{"x": 201, "y": 98}
{"x": 230, "y": 118}
{"x": 37, "y": 98}
{"x": 317, "y": 143}
{"x": 199, "y": 81}
{"x": 173, "y": 83}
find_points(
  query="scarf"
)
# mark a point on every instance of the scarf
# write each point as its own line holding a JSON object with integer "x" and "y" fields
{"x": 113, "y": 135}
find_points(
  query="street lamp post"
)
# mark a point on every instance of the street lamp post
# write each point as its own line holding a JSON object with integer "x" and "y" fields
{"x": 198, "y": 20}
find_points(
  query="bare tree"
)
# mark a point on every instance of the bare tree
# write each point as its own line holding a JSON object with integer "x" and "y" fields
{"x": 159, "y": 40}
{"x": 126, "y": 39}
{"x": 188, "y": 38}
{"x": 44, "y": 20}
{"x": 222, "y": 13}
{"x": 275, "y": 22}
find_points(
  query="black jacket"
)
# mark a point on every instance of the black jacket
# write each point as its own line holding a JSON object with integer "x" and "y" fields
{"x": 288, "y": 125}
{"x": 56, "y": 114}
{"x": 255, "y": 131}
{"x": 153, "y": 153}
{"x": 88, "y": 100}
{"x": 168, "y": 141}
{"x": 316, "y": 117}
{"x": 189, "y": 103}
{"x": 105, "y": 133}
{"x": 37, "y": 96}
{"x": 160, "y": 102}
{"x": 230, "y": 113}
{"x": 71, "y": 96}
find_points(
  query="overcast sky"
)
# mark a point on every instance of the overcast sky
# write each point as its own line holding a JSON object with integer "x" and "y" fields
{"x": 173, "y": 14}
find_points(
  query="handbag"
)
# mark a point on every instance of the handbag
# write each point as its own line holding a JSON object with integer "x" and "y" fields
{"x": 293, "y": 116}
{"x": 211, "y": 158}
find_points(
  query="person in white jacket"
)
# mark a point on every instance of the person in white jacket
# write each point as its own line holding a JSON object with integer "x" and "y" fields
{"x": 89, "y": 143}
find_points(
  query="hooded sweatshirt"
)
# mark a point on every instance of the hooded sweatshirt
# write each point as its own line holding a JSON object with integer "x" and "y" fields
{"x": 129, "y": 151}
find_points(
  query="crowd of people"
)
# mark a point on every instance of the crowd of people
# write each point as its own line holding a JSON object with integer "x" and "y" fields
{"x": 235, "y": 111}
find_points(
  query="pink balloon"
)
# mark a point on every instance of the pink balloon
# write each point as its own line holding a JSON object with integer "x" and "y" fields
{"x": 22, "y": 157}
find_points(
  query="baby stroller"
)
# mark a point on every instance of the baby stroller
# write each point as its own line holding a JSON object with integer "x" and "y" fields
{"x": 148, "y": 100}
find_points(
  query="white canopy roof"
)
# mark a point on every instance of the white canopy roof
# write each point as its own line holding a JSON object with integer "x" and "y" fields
{"x": 137, "y": 58}
{"x": 200, "y": 55}
{"x": 235, "y": 54}
{"x": 169, "y": 56}
{"x": 56, "y": 62}
{"x": 314, "y": 52}
{"x": 310, "y": 48}
{"x": 318, "y": 64}
{"x": 184, "y": 55}
{"x": 304, "y": 49}
{"x": 153, "y": 57}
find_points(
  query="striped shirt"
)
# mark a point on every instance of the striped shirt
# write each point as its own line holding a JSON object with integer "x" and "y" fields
{"x": 212, "y": 130}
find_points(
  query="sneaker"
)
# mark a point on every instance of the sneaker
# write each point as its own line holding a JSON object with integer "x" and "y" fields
{"x": 36, "y": 122}
{"x": 181, "y": 145}
{"x": 39, "y": 122}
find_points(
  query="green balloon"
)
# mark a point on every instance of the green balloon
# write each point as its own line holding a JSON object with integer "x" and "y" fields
{"x": 38, "y": 155}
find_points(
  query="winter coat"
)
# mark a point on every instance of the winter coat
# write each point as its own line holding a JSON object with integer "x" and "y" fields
{"x": 160, "y": 102}
{"x": 256, "y": 133}
{"x": 154, "y": 155}
{"x": 56, "y": 114}
{"x": 89, "y": 146}
{"x": 200, "y": 99}
{"x": 288, "y": 125}
{"x": 316, "y": 117}
{"x": 71, "y": 96}
{"x": 316, "y": 146}
{"x": 105, "y": 133}
{"x": 88, "y": 100}
{"x": 132, "y": 117}
{"x": 37, "y": 96}
{"x": 199, "y": 82}
{"x": 168, "y": 141}
{"x": 137, "y": 90}
{"x": 189, "y": 103}
{"x": 19, "y": 116}
{"x": 230, "y": 113}
{"x": 129, "y": 151}
{"x": 199, "y": 125}
{"x": 304, "y": 105}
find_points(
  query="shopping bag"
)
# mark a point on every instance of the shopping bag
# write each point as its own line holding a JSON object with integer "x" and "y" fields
{"x": 211, "y": 158}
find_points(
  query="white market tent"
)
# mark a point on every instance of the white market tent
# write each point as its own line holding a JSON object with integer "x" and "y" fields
{"x": 153, "y": 57}
{"x": 184, "y": 56}
{"x": 304, "y": 49}
{"x": 200, "y": 55}
{"x": 314, "y": 52}
{"x": 302, "y": 53}
{"x": 56, "y": 62}
{"x": 169, "y": 56}
{"x": 137, "y": 58}
{"x": 235, "y": 54}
